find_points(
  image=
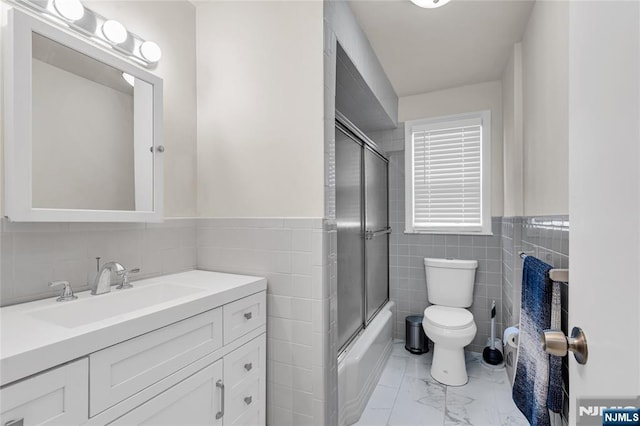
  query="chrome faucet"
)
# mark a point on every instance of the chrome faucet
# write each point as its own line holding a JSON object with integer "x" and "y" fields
{"x": 102, "y": 283}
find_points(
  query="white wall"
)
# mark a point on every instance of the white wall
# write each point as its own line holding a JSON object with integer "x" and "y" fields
{"x": 475, "y": 97}
{"x": 512, "y": 135}
{"x": 260, "y": 109}
{"x": 171, "y": 25}
{"x": 545, "y": 48}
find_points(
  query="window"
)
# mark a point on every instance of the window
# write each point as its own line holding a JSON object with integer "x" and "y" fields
{"x": 447, "y": 174}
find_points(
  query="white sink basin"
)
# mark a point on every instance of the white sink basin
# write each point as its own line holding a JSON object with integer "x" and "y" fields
{"x": 106, "y": 306}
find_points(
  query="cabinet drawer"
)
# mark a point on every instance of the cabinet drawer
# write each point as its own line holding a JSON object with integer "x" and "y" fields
{"x": 122, "y": 370}
{"x": 245, "y": 362}
{"x": 244, "y": 397}
{"x": 56, "y": 397}
{"x": 244, "y": 315}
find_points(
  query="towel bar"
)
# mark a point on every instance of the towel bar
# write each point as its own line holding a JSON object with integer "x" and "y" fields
{"x": 524, "y": 254}
{"x": 558, "y": 275}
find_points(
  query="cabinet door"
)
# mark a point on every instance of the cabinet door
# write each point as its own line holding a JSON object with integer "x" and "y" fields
{"x": 56, "y": 397}
{"x": 193, "y": 402}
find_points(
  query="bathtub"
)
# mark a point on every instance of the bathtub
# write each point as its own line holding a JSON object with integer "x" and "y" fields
{"x": 360, "y": 366}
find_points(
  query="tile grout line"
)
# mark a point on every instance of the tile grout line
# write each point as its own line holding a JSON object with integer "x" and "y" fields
{"x": 444, "y": 411}
{"x": 395, "y": 399}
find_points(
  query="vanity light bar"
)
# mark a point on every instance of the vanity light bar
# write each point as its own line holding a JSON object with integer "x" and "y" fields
{"x": 104, "y": 31}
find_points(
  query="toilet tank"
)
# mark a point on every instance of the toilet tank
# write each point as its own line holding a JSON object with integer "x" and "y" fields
{"x": 450, "y": 281}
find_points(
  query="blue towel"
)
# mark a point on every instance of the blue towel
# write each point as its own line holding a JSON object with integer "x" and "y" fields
{"x": 531, "y": 383}
{"x": 554, "y": 399}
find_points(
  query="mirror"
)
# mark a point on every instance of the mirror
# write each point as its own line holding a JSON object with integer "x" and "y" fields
{"x": 84, "y": 131}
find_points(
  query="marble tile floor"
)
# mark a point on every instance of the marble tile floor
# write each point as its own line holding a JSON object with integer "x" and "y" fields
{"x": 406, "y": 394}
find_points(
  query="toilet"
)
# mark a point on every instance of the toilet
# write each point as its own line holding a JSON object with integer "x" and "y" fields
{"x": 446, "y": 322}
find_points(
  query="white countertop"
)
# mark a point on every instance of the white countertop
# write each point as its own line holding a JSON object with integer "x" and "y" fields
{"x": 29, "y": 345}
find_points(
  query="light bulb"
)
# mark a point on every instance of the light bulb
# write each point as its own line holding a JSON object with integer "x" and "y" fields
{"x": 150, "y": 51}
{"x": 114, "y": 31}
{"x": 69, "y": 9}
{"x": 129, "y": 79}
{"x": 430, "y": 4}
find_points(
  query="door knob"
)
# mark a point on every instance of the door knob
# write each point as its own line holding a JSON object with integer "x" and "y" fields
{"x": 554, "y": 342}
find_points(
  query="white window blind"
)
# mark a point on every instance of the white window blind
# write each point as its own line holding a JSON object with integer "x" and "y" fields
{"x": 447, "y": 164}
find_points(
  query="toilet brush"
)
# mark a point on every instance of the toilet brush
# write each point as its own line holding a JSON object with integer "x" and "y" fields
{"x": 490, "y": 354}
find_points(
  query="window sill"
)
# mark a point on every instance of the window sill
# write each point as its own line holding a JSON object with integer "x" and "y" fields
{"x": 477, "y": 233}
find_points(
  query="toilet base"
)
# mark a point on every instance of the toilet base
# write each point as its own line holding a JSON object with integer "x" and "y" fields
{"x": 448, "y": 366}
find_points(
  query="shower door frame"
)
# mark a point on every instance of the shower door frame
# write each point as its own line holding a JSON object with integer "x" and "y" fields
{"x": 345, "y": 126}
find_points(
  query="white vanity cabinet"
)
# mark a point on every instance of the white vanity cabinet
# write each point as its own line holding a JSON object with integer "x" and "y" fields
{"x": 205, "y": 369}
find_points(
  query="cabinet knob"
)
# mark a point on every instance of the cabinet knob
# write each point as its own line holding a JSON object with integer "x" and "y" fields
{"x": 248, "y": 366}
{"x": 17, "y": 422}
{"x": 248, "y": 315}
{"x": 247, "y": 400}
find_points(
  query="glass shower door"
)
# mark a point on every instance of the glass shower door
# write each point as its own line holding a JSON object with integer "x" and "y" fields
{"x": 363, "y": 230}
{"x": 350, "y": 229}
{"x": 377, "y": 232}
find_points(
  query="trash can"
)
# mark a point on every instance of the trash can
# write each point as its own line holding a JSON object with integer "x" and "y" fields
{"x": 416, "y": 341}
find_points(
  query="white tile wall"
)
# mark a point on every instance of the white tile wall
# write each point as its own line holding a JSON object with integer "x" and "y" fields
{"x": 294, "y": 255}
{"x": 326, "y": 412}
{"x": 32, "y": 254}
{"x": 511, "y": 269}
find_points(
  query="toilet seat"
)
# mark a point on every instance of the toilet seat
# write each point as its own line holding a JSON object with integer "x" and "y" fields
{"x": 447, "y": 317}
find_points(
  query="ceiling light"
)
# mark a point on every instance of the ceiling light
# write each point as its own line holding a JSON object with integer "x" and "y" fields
{"x": 129, "y": 79}
{"x": 150, "y": 51}
{"x": 430, "y": 4}
{"x": 69, "y": 9}
{"x": 114, "y": 31}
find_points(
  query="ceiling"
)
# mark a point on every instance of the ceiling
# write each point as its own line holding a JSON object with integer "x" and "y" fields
{"x": 463, "y": 42}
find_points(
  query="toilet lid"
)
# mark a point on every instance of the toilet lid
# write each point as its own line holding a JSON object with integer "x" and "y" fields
{"x": 447, "y": 317}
